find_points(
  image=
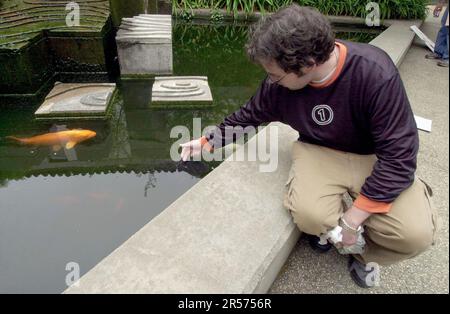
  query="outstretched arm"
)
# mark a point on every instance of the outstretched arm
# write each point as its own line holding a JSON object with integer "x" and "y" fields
{"x": 261, "y": 108}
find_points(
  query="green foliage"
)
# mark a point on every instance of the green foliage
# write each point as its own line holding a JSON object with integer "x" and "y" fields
{"x": 217, "y": 16}
{"x": 389, "y": 9}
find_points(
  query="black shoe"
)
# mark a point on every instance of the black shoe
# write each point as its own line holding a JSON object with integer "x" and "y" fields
{"x": 362, "y": 277}
{"x": 316, "y": 246}
{"x": 443, "y": 63}
{"x": 433, "y": 55}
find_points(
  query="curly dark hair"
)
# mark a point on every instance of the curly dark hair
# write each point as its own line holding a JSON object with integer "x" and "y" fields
{"x": 295, "y": 37}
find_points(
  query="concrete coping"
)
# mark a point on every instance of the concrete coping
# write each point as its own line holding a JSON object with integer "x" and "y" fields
{"x": 396, "y": 39}
{"x": 229, "y": 233}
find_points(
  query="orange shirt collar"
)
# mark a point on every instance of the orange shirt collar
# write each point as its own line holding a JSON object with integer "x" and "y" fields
{"x": 337, "y": 72}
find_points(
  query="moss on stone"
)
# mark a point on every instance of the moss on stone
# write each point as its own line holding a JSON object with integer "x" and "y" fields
{"x": 31, "y": 54}
{"x": 32, "y": 19}
{"x": 181, "y": 105}
{"x": 138, "y": 77}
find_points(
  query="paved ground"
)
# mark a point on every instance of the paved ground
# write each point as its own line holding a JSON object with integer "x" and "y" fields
{"x": 428, "y": 90}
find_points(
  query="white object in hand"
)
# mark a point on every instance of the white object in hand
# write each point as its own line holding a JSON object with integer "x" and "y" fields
{"x": 335, "y": 236}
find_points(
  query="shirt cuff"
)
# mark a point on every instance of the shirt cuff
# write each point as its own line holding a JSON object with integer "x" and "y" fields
{"x": 374, "y": 207}
{"x": 205, "y": 144}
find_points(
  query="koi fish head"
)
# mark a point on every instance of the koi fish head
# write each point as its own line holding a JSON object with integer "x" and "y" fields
{"x": 87, "y": 134}
{"x": 77, "y": 136}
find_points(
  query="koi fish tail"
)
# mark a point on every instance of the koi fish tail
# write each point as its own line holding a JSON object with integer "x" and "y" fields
{"x": 20, "y": 140}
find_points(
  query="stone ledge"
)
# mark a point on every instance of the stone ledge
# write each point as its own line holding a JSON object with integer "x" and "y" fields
{"x": 396, "y": 39}
{"x": 210, "y": 240}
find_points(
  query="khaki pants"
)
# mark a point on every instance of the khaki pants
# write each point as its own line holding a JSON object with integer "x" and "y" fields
{"x": 318, "y": 179}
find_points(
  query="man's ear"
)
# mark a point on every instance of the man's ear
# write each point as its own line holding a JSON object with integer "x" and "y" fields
{"x": 306, "y": 70}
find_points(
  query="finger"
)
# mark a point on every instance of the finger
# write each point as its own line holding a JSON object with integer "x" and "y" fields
{"x": 188, "y": 154}
{"x": 184, "y": 154}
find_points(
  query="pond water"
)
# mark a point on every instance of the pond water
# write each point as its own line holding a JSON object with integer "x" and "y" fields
{"x": 61, "y": 207}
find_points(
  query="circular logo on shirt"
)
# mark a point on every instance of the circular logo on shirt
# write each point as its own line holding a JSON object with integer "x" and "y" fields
{"x": 322, "y": 114}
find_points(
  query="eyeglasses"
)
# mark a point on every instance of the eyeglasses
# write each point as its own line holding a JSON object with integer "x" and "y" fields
{"x": 276, "y": 81}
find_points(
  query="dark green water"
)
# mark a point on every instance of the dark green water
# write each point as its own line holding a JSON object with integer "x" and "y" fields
{"x": 78, "y": 206}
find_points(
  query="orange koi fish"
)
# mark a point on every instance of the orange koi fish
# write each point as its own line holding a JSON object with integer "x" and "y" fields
{"x": 67, "y": 139}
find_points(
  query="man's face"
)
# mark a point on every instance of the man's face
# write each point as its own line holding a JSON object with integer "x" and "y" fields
{"x": 289, "y": 80}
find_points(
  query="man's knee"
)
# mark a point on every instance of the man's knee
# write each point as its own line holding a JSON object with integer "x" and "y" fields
{"x": 312, "y": 218}
{"x": 417, "y": 229}
{"x": 409, "y": 241}
{"x": 415, "y": 239}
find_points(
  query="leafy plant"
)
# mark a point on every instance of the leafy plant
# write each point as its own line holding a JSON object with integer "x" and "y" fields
{"x": 389, "y": 9}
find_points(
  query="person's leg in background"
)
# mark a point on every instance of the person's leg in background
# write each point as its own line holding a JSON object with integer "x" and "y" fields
{"x": 441, "y": 45}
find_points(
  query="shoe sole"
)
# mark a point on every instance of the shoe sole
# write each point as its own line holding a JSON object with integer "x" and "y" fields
{"x": 358, "y": 281}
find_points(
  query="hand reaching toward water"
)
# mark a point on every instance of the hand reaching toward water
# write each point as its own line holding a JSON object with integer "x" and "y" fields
{"x": 194, "y": 148}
